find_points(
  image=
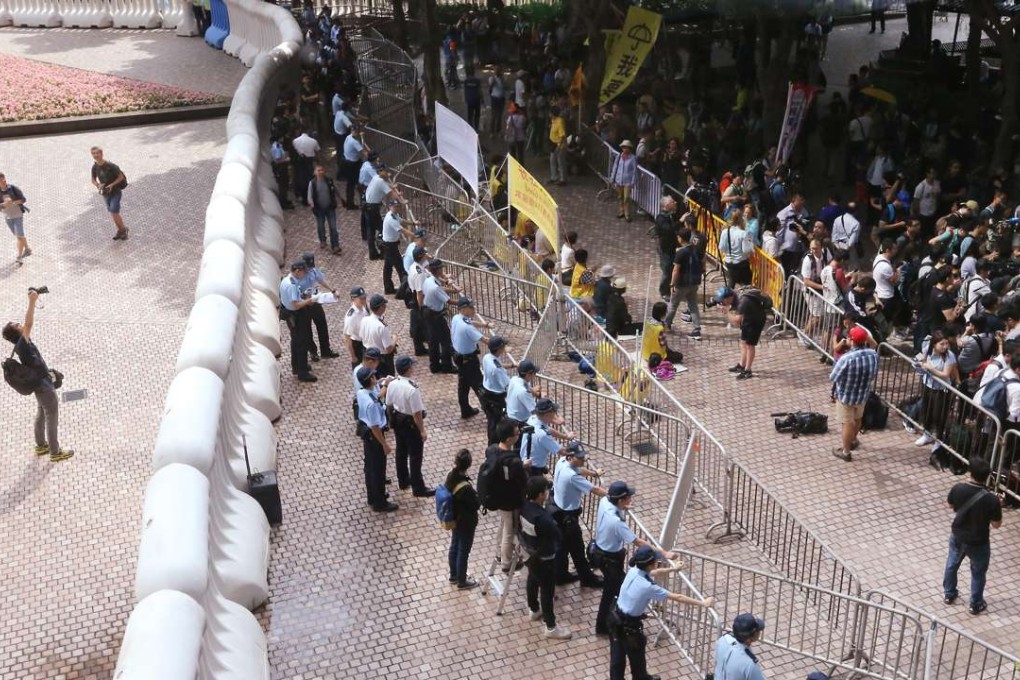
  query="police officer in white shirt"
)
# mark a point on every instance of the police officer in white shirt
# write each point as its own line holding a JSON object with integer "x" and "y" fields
{"x": 494, "y": 385}
{"x": 342, "y": 124}
{"x": 352, "y": 324}
{"x": 305, "y": 148}
{"x": 392, "y": 229}
{"x": 733, "y": 657}
{"x": 435, "y": 298}
{"x": 465, "y": 336}
{"x": 418, "y": 241}
{"x": 416, "y": 275}
{"x": 354, "y": 152}
{"x": 378, "y": 191}
{"x": 372, "y": 426}
{"x": 539, "y": 448}
{"x": 408, "y": 421}
{"x": 375, "y": 333}
{"x": 365, "y": 176}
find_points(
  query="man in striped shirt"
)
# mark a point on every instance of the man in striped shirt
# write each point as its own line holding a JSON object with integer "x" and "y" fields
{"x": 852, "y": 377}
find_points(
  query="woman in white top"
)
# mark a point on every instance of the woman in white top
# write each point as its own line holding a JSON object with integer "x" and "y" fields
{"x": 567, "y": 256}
{"x": 939, "y": 369}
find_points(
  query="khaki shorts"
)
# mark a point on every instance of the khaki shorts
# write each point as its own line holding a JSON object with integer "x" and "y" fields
{"x": 849, "y": 413}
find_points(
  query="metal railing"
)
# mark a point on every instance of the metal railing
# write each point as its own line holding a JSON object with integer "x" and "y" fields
{"x": 1006, "y": 467}
{"x": 502, "y": 298}
{"x": 813, "y": 318}
{"x": 956, "y": 421}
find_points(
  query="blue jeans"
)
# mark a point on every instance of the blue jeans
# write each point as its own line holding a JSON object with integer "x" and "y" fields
{"x": 979, "y": 555}
{"x": 461, "y": 540}
{"x": 321, "y": 217}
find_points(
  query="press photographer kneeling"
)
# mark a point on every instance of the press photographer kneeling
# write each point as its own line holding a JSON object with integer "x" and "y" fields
{"x": 30, "y": 375}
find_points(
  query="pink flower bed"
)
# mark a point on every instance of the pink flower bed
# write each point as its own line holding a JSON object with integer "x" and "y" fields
{"x": 34, "y": 90}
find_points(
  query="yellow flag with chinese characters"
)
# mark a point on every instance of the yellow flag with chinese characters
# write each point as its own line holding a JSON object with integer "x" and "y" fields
{"x": 629, "y": 51}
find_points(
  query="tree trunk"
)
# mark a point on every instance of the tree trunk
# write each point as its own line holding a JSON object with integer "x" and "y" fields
{"x": 773, "y": 66}
{"x": 1004, "y": 144}
{"x": 399, "y": 25}
{"x": 589, "y": 19}
{"x": 432, "y": 37}
{"x": 973, "y": 54}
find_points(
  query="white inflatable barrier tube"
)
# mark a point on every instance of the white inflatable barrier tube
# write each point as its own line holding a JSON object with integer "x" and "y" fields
{"x": 162, "y": 639}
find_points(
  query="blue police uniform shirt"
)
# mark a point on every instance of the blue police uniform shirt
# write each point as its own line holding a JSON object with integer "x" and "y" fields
{"x": 312, "y": 278}
{"x": 366, "y": 173}
{"x": 290, "y": 292}
{"x": 464, "y": 335}
{"x": 611, "y": 532}
{"x": 354, "y": 377}
{"x": 543, "y": 446}
{"x": 277, "y": 152}
{"x": 391, "y": 227}
{"x": 637, "y": 591}
{"x": 434, "y": 296}
{"x": 569, "y": 487}
{"x": 409, "y": 256}
{"x": 494, "y": 377}
{"x": 352, "y": 149}
{"x": 370, "y": 410}
{"x": 734, "y": 660}
{"x": 519, "y": 400}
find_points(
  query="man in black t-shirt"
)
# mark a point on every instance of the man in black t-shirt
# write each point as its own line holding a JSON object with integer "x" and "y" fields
{"x": 665, "y": 236}
{"x": 110, "y": 181}
{"x": 977, "y": 510}
{"x": 940, "y": 308}
{"x": 20, "y": 335}
{"x": 748, "y": 313}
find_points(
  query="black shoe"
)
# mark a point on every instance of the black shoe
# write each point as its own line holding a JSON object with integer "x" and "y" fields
{"x": 469, "y": 414}
{"x": 375, "y": 257}
{"x": 595, "y": 582}
{"x": 425, "y": 493}
{"x": 601, "y": 632}
{"x": 330, "y": 354}
{"x": 390, "y": 291}
{"x": 390, "y": 481}
{"x": 315, "y": 357}
{"x": 976, "y": 609}
{"x": 389, "y": 507}
{"x": 506, "y": 569}
{"x": 421, "y": 351}
{"x": 307, "y": 377}
{"x": 745, "y": 375}
{"x": 453, "y": 580}
{"x": 950, "y": 599}
{"x": 569, "y": 578}
{"x": 404, "y": 487}
{"x": 449, "y": 369}
{"x": 736, "y": 369}
{"x": 468, "y": 584}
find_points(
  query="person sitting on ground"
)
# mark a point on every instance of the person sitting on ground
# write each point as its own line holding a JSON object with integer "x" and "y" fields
{"x": 582, "y": 281}
{"x": 618, "y": 318}
{"x": 653, "y": 339}
{"x": 603, "y": 288}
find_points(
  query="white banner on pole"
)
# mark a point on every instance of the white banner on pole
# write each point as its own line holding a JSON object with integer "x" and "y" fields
{"x": 798, "y": 102}
{"x": 457, "y": 143}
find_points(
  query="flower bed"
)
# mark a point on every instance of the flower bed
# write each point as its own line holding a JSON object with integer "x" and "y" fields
{"x": 35, "y": 90}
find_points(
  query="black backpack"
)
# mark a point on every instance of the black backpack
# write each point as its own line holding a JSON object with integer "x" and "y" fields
{"x": 801, "y": 422}
{"x": 876, "y": 413}
{"x": 497, "y": 484}
{"x": 24, "y": 379}
{"x": 760, "y": 297}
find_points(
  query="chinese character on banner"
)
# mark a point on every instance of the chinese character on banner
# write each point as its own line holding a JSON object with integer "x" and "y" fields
{"x": 629, "y": 51}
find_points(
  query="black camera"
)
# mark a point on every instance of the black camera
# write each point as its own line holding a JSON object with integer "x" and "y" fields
{"x": 41, "y": 290}
{"x": 709, "y": 304}
{"x": 527, "y": 429}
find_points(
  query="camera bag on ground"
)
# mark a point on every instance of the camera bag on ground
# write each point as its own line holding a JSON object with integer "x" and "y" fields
{"x": 24, "y": 379}
{"x": 876, "y": 413}
{"x": 801, "y": 422}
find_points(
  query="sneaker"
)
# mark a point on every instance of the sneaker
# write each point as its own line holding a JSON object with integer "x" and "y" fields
{"x": 838, "y": 452}
{"x": 468, "y": 584}
{"x": 558, "y": 633}
{"x": 685, "y": 317}
{"x": 950, "y": 599}
{"x": 28, "y": 251}
{"x": 736, "y": 369}
{"x": 62, "y": 454}
{"x": 804, "y": 342}
{"x": 535, "y": 616}
{"x": 924, "y": 440}
{"x": 975, "y": 609}
{"x": 855, "y": 445}
{"x": 694, "y": 335}
{"x": 18, "y": 261}
{"x": 909, "y": 428}
{"x": 745, "y": 375}
{"x": 42, "y": 450}
{"x": 453, "y": 580}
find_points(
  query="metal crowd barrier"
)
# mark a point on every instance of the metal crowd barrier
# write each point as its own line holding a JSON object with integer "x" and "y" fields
{"x": 950, "y": 653}
{"x": 502, "y": 298}
{"x": 204, "y": 549}
{"x": 647, "y": 192}
{"x": 1006, "y": 467}
{"x": 956, "y": 421}
{"x": 542, "y": 344}
{"x": 844, "y": 633}
{"x": 800, "y": 305}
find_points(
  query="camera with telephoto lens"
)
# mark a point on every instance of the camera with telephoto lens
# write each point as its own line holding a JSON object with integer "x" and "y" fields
{"x": 527, "y": 429}
{"x": 709, "y": 304}
{"x": 1001, "y": 236}
{"x": 41, "y": 290}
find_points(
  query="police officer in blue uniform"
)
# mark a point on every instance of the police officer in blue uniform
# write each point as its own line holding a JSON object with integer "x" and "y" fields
{"x": 734, "y": 659}
{"x": 540, "y": 537}
{"x": 296, "y": 304}
{"x": 539, "y": 449}
{"x": 612, "y": 536}
{"x": 313, "y": 280}
{"x": 372, "y": 427}
{"x": 570, "y": 485}
{"x": 435, "y": 299}
{"x": 494, "y": 384}
{"x": 627, "y": 639}
{"x": 521, "y": 393}
{"x": 420, "y": 237}
{"x": 369, "y": 359}
{"x": 465, "y": 338}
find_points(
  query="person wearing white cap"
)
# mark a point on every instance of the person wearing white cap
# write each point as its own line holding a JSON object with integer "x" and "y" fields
{"x": 624, "y": 176}
{"x": 618, "y": 318}
{"x": 603, "y": 288}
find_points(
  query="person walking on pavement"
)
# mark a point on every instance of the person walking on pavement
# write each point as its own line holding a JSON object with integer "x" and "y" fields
{"x": 612, "y": 536}
{"x": 322, "y": 197}
{"x": 734, "y": 659}
{"x": 852, "y": 377}
{"x": 109, "y": 179}
{"x": 627, "y": 640}
{"x": 878, "y": 10}
{"x": 434, "y": 300}
{"x": 47, "y": 414}
{"x": 977, "y": 511}
{"x": 570, "y": 485}
{"x": 465, "y": 337}
{"x": 541, "y": 539}
{"x": 465, "y": 512}
{"x": 375, "y": 333}
{"x": 686, "y": 277}
{"x": 665, "y": 234}
{"x": 408, "y": 419}
{"x": 372, "y": 428}
{"x": 472, "y": 97}
{"x": 12, "y": 204}
{"x": 494, "y": 385}
{"x": 313, "y": 280}
{"x": 297, "y": 312}
{"x": 497, "y": 99}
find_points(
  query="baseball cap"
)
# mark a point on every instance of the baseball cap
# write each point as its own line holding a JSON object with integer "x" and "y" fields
{"x": 903, "y": 196}
{"x": 298, "y": 264}
{"x": 392, "y": 202}
{"x": 620, "y": 283}
{"x": 972, "y": 205}
{"x": 435, "y": 263}
{"x": 619, "y": 489}
{"x": 309, "y": 259}
{"x": 545, "y": 406}
{"x": 357, "y": 292}
{"x": 403, "y": 362}
{"x": 644, "y": 555}
{"x": 858, "y": 335}
{"x": 373, "y": 156}
{"x": 365, "y": 374}
{"x": 575, "y": 450}
{"x": 376, "y": 301}
{"x": 465, "y": 302}
{"x": 420, "y": 233}
{"x": 722, "y": 294}
{"x": 746, "y": 625}
{"x": 417, "y": 253}
{"x": 526, "y": 366}
{"x": 496, "y": 342}
{"x": 372, "y": 353}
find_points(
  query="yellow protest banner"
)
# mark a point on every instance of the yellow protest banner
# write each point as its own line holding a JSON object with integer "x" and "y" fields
{"x": 629, "y": 51}
{"x": 530, "y": 197}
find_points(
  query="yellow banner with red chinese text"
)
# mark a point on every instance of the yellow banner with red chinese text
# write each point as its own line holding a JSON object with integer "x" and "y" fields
{"x": 529, "y": 196}
{"x": 629, "y": 51}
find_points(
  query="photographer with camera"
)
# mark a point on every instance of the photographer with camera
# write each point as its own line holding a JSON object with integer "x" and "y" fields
{"x": 108, "y": 178}
{"x": 36, "y": 376}
{"x": 793, "y": 227}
